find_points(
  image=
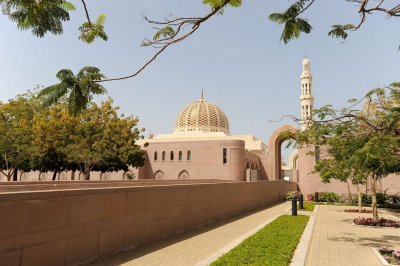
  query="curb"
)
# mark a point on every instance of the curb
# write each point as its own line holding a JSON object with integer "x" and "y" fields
{"x": 233, "y": 244}
{"x": 301, "y": 252}
{"x": 380, "y": 258}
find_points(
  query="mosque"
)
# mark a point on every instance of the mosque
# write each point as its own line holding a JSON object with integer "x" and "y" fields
{"x": 201, "y": 147}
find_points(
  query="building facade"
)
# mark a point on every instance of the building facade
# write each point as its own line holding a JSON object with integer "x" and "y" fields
{"x": 201, "y": 147}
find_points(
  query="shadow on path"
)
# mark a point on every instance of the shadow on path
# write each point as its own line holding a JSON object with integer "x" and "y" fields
{"x": 129, "y": 255}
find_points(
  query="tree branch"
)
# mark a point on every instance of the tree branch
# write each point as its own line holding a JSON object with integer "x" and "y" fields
{"x": 87, "y": 13}
{"x": 169, "y": 40}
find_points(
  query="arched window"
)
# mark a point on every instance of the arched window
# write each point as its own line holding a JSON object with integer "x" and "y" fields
{"x": 180, "y": 155}
{"x": 171, "y": 157}
{"x": 42, "y": 176}
{"x": 224, "y": 156}
{"x": 23, "y": 176}
{"x": 189, "y": 155}
{"x": 155, "y": 156}
{"x": 62, "y": 176}
{"x": 163, "y": 155}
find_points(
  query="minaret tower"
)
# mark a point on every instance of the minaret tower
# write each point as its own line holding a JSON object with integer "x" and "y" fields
{"x": 306, "y": 98}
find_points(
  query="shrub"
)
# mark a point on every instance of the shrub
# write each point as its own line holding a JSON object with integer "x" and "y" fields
{"x": 383, "y": 199}
{"x": 330, "y": 197}
{"x": 289, "y": 195}
{"x": 366, "y": 199}
{"x": 393, "y": 201}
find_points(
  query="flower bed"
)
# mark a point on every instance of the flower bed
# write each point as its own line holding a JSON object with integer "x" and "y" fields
{"x": 356, "y": 210}
{"x": 382, "y": 222}
{"x": 390, "y": 255}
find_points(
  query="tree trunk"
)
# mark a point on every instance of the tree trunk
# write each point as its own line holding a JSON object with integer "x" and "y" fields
{"x": 359, "y": 199}
{"x": 87, "y": 174}
{"x": 54, "y": 174}
{"x": 73, "y": 175}
{"x": 348, "y": 189}
{"x": 374, "y": 204}
{"x": 15, "y": 174}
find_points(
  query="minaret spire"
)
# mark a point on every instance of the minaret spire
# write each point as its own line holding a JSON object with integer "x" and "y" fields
{"x": 306, "y": 98}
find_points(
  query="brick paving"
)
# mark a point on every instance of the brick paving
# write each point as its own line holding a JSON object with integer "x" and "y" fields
{"x": 194, "y": 247}
{"x": 335, "y": 241}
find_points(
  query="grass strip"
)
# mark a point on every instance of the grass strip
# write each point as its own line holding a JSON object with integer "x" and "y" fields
{"x": 308, "y": 206}
{"x": 272, "y": 245}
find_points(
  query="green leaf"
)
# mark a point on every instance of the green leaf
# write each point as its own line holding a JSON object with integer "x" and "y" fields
{"x": 91, "y": 31}
{"x": 340, "y": 31}
{"x": 164, "y": 33}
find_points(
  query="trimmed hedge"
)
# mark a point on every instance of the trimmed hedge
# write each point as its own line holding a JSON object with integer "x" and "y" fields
{"x": 273, "y": 245}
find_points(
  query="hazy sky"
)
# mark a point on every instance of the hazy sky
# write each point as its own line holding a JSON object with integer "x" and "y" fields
{"x": 237, "y": 58}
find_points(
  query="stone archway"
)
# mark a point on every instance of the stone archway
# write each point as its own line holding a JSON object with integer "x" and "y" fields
{"x": 275, "y": 141}
{"x": 183, "y": 175}
{"x": 159, "y": 175}
{"x": 294, "y": 165}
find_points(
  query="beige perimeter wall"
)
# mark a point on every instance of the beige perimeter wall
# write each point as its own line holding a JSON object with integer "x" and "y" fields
{"x": 73, "y": 226}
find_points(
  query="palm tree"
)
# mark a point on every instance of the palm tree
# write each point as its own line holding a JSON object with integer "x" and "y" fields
{"x": 80, "y": 89}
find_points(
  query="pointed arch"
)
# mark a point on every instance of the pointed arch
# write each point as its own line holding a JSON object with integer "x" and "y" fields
{"x": 62, "y": 175}
{"x": 183, "y": 175}
{"x": 105, "y": 176}
{"x": 81, "y": 176}
{"x": 159, "y": 175}
{"x": 275, "y": 141}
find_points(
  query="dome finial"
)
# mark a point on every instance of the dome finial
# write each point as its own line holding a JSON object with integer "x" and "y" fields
{"x": 202, "y": 94}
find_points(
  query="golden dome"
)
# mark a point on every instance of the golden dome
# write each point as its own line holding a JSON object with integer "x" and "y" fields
{"x": 203, "y": 116}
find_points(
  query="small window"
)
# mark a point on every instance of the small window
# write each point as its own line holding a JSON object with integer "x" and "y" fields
{"x": 155, "y": 156}
{"x": 180, "y": 155}
{"x": 172, "y": 156}
{"x": 163, "y": 155}
{"x": 317, "y": 154}
{"x": 224, "y": 156}
{"x": 189, "y": 155}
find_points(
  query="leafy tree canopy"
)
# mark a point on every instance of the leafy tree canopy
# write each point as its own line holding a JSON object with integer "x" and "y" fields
{"x": 361, "y": 142}
{"x": 50, "y": 139}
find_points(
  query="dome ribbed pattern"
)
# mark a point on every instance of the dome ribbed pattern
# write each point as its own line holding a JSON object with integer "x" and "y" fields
{"x": 202, "y": 115}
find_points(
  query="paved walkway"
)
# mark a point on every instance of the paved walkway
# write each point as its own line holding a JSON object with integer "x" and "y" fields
{"x": 335, "y": 241}
{"x": 197, "y": 246}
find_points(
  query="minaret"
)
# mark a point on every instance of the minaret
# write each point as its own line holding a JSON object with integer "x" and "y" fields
{"x": 306, "y": 98}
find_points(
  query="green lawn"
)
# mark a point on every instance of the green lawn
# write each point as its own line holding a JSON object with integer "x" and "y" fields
{"x": 272, "y": 245}
{"x": 308, "y": 206}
